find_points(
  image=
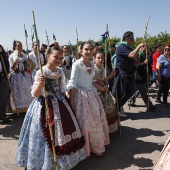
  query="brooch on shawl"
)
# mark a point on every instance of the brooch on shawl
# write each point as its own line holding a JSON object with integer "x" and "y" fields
{"x": 89, "y": 70}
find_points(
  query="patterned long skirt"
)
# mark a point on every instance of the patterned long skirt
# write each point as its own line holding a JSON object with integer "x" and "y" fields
{"x": 21, "y": 97}
{"x": 110, "y": 110}
{"x": 35, "y": 148}
{"x": 92, "y": 120}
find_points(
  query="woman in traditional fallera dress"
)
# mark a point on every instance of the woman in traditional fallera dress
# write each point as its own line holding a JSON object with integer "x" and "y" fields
{"x": 20, "y": 80}
{"x": 107, "y": 99}
{"x": 87, "y": 104}
{"x": 163, "y": 162}
{"x": 35, "y": 149}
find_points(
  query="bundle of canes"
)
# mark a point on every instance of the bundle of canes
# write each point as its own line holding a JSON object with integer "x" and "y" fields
{"x": 46, "y": 102}
{"x": 12, "y": 94}
{"x": 145, "y": 41}
{"x": 117, "y": 106}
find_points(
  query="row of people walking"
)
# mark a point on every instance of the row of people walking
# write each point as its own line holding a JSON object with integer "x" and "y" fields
{"x": 89, "y": 116}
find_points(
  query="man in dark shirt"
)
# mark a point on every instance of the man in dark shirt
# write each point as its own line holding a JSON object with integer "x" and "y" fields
{"x": 141, "y": 80}
{"x": 125, "y": 67}
{"x": 42, "y": 51}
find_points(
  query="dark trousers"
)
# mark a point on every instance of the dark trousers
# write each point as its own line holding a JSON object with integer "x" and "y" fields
{"x": 163, "y": 88}
{"x": 141, "y": 88}
{"x": 123, "y": 89}
{"x": 4, "y": 94}
{"x": 154, "y": 77}
{"x": 130, "y": 88}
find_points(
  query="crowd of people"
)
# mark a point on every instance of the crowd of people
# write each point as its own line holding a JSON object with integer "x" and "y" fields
{"x": 84, "y": 96}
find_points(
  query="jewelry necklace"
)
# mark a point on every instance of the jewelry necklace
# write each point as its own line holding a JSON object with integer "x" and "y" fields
{"x": 52, "y": 70}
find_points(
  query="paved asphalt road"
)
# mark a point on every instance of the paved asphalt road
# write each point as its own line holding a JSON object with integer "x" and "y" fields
{"x": 143, "y": 137}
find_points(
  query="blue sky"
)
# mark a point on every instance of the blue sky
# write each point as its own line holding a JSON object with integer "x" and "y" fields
{"x": 89, "y": 16}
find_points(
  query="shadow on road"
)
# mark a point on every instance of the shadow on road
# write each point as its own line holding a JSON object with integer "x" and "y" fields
{"x": 12, "y": 129}
{"x": 120, "y": 154}
{"x": 160, "y": 112}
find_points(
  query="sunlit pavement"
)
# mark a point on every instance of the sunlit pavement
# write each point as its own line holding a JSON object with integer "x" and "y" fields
{"x": 143, "y": 135}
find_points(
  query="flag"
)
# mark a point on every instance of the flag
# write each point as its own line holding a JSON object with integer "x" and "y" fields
{"x": 32, "y": 32}
{"x": 26, "y": 35}
{"x": 54, "y": 38}
{"x": 104, "y": 37}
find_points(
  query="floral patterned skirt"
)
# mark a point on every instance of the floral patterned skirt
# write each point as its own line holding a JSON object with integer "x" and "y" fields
{"x": 163, "y": 162}
{"x": 92, "y": 120}
{"x": 110, "y": 110}
{"x": 34, "y": 151}
{"x": 21, "y": 88}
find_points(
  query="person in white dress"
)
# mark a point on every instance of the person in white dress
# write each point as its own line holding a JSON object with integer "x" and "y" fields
{"x": 20, "y": 80}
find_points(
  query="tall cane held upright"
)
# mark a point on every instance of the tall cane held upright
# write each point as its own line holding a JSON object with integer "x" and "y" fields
{"x": 105, "y": 70}
{"x": 29, "y": 67}
{"x": 107, "y": 30}
{"x": 77, "y": 39}
{"x": 45, "y": 96}
{"x": 145, "y": 40}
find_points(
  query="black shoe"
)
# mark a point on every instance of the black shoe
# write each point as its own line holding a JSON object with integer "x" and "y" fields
{"x": 156, "y": 87}
{"x": 151, "y": 109}
{"x": 167, "y": 105}
{"x": 132, "y": 105}
{"x": 158, "y": 101}
{"x": 6, "y": 120}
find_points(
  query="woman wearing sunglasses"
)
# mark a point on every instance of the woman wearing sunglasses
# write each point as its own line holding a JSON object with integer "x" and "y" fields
{"x": 163, "y": 73}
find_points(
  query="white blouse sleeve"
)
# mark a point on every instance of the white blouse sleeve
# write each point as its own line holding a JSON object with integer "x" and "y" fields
{"x": 36, "y": 82}
{"x": 62, "y": 83}
{"x": 74, "y": 77}
{"x": 11, "y": 62}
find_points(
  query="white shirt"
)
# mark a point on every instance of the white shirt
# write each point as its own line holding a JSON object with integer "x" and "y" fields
{"x": 34, "y": 58}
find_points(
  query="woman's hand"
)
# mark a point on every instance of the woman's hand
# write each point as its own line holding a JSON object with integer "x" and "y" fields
{"x": 38, "y": 89}
{"x": 105, "y": 88}
{"x": 146, "y": 61}
{"x": 41, "y": 79}
{"x": 16, "y": 63}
